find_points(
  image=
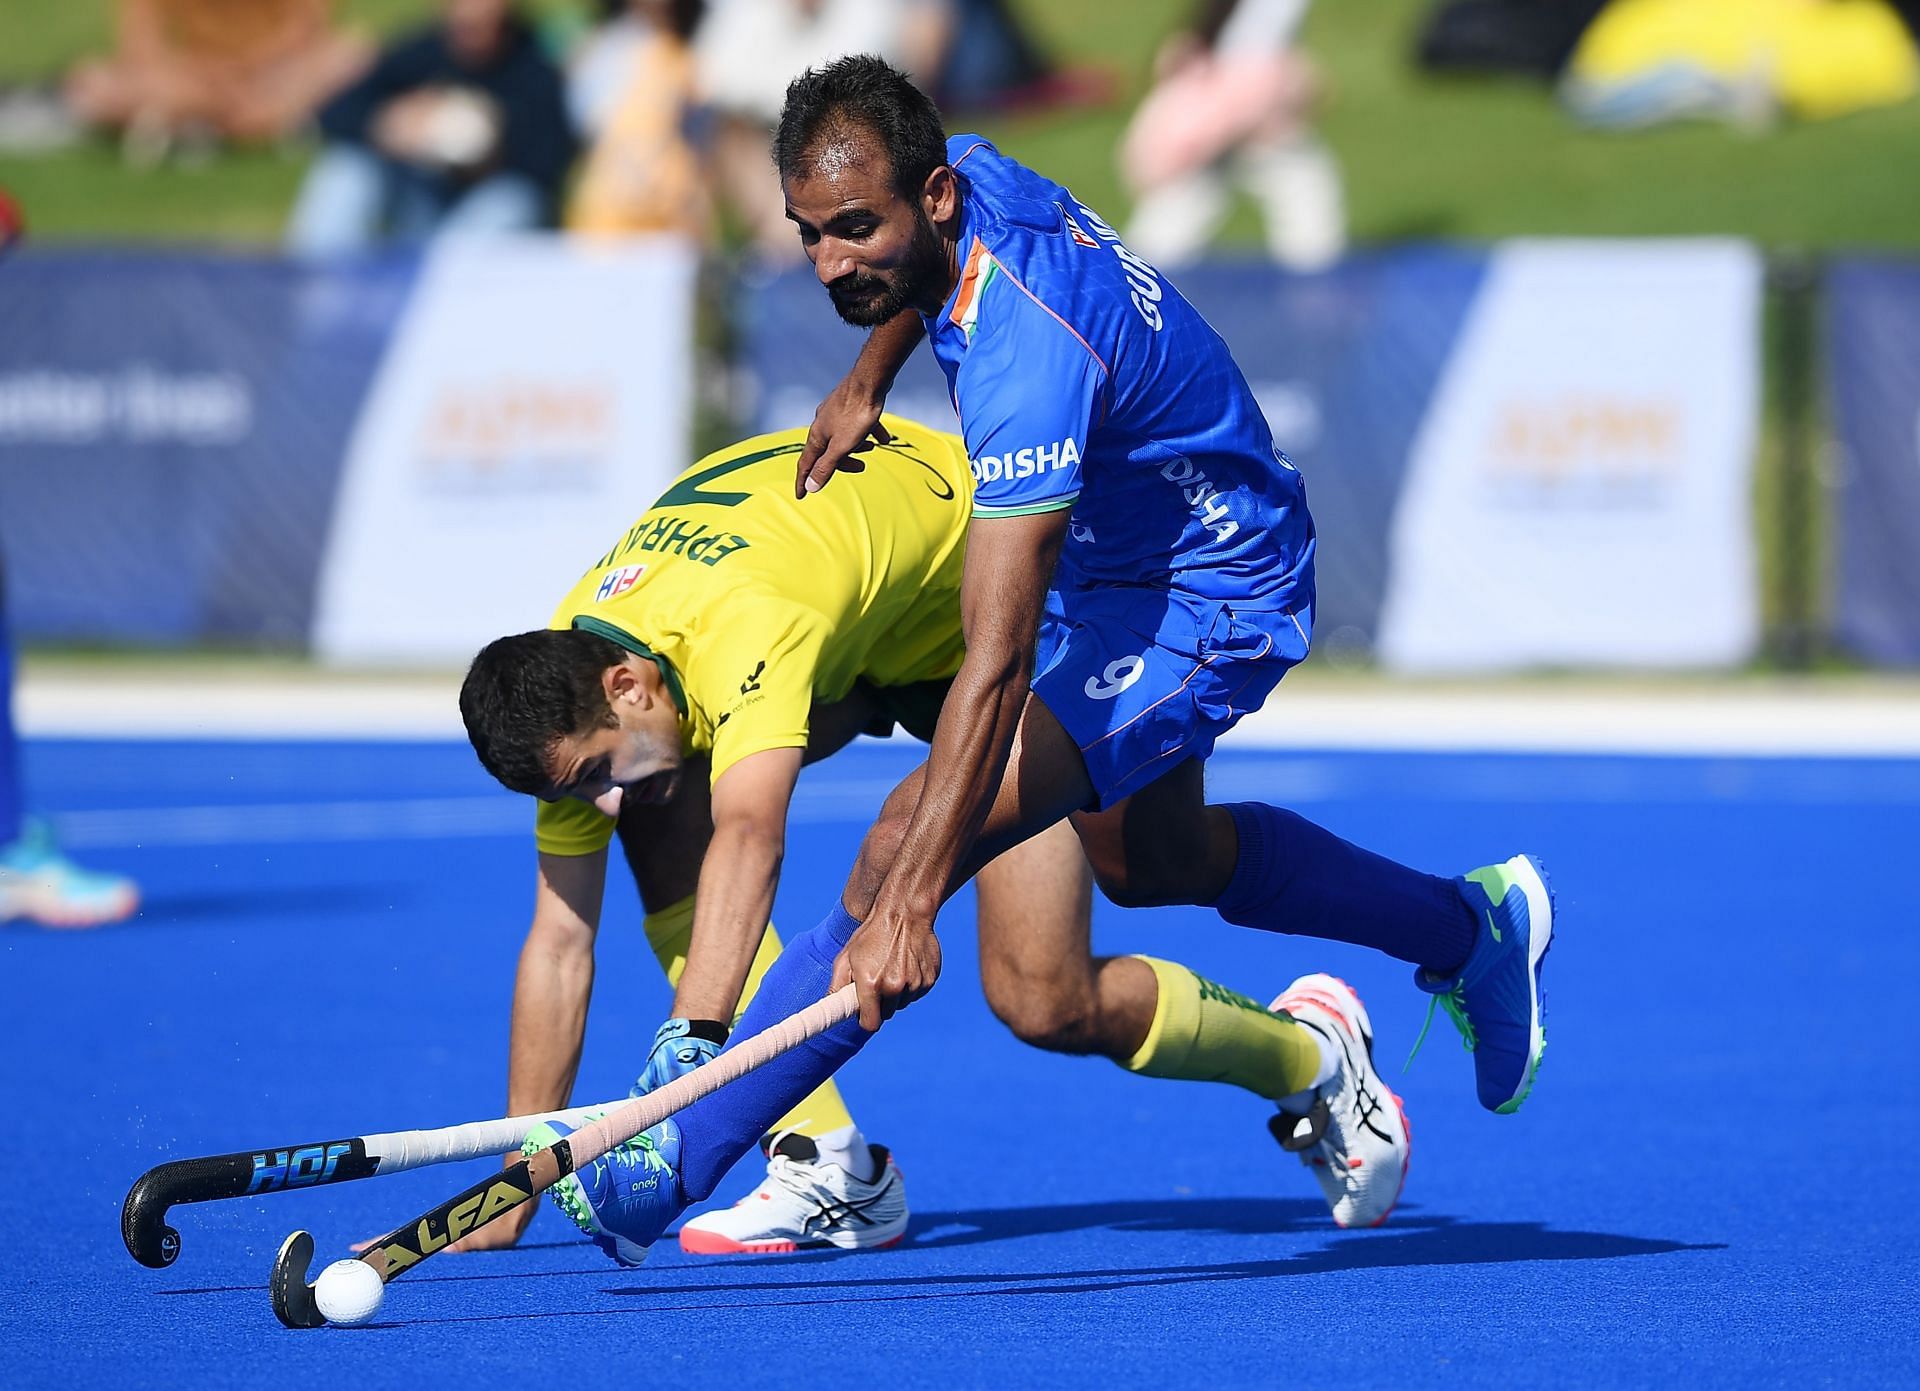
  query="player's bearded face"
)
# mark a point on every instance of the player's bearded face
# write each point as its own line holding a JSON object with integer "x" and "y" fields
{"x": 872, "y": 294}
{"x": 876, "y": 250}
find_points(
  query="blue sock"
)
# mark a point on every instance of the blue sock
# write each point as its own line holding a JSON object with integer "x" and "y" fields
{"x": 1294, "y": 877}
{"x": 10, "y": 811}
{"x": 716, "y": 1130}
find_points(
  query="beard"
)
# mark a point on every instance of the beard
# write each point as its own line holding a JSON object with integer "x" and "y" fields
{"x": 867, "y": 298}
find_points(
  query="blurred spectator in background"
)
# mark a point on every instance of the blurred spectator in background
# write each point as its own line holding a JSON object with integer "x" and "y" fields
{"x": 1233, "y": 101}
{"x": 1643, "y": 62}
{"x": 748, "y": 51}
{"x": 990, "y": 63}
{"x": 460, "y": 127}
{"x": 1524, "y": 38}
{"x": 37, "y": 882}
{"x": 631, "y": 91}
{"x": 190, "y": 72}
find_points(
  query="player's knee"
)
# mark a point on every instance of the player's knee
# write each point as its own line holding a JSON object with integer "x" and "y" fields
{"x": 1153, "y": 872}
{"x": 1144, "y": 886}
{"x": 1051, "y": 1020}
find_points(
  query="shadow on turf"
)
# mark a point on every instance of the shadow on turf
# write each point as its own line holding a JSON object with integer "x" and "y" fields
{"x": 1412, "y": 1239}
{"x": 1229, "y": 1216}
{"x": 188, "y": 909}
{"x": 175, "y": 909}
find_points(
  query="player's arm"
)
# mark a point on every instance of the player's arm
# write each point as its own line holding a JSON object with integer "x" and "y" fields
{"x": 738, "y": 877}
{"x": 550, "y": 996}
{"x": 850, "y": 416}
{"x": 555, "y": 982}
{"x": 894, "y": 959}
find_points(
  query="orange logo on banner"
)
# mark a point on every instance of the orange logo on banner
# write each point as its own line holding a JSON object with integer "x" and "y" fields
{"x": 481, "y": 431}
{"x": 1585, "y": 442}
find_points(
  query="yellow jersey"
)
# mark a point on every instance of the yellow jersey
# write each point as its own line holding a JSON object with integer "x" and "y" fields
{"x": 756, "y": 606}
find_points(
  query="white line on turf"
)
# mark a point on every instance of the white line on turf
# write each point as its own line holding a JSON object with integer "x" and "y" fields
{"x": 825, "y": 800}
{"x": 420, "y": 818}
{"x": 1775, "y": 717}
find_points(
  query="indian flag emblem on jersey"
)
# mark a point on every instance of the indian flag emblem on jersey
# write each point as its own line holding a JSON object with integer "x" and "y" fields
{"x": 618, "y": 582}
{"x": 974, "y": 279}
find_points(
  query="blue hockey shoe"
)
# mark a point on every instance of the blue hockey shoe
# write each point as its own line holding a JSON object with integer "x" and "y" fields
{"x": 625, "y": 1198}
{"x": 1496, "y": 999}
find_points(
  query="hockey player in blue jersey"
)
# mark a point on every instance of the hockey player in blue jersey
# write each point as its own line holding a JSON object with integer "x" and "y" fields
{"x": 1139, "y": 576}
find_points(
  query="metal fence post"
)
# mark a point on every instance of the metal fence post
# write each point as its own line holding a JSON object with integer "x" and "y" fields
{"x": 1794, "y": 279}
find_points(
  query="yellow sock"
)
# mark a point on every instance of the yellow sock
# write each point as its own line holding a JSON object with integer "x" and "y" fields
{"x": 668, "y": 933}
{"x": 1203, "y": 1032}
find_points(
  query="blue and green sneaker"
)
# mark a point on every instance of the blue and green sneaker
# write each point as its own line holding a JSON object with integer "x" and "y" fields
{"x": 1496, "y": 999}
{"x": 42, "y": 885}
{"x": 624, "y": 1199}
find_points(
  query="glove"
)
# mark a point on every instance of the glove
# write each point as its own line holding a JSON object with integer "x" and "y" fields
{"x": 679, "y": 1047}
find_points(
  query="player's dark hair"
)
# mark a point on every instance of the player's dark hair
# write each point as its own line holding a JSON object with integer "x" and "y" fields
{"x": 525, "y": 693}
{"x": 861, "y": 92}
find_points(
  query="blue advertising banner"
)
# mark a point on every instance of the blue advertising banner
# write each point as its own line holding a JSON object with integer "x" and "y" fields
{"x": 198, "y": 447}
{"x": 1873, "y": 376}
{"x": 171, "y": 432}
{"x": 1343, "y": 364}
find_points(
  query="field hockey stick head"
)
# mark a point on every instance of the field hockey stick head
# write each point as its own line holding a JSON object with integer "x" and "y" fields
{"x": 143, "y": 1222}
{"x": 293, "y": 1301}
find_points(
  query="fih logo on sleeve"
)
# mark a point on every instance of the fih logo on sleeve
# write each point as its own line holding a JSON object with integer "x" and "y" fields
{"x": 617, "y": 582}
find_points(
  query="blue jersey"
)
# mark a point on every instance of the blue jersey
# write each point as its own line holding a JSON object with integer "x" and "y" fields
{"x": 1082, "y": 379}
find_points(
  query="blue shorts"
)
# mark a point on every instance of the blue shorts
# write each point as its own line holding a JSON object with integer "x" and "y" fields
{"x": 1144, "y": 679}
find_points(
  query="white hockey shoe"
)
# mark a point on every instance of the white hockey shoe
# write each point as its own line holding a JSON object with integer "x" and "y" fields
{"x": 1354, "y": 1136}
{"x": 805, "y": 1202}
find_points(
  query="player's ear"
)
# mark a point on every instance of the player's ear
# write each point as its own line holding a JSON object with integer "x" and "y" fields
{"x": 940, "y": 197}
{"x": 622, "y": 683}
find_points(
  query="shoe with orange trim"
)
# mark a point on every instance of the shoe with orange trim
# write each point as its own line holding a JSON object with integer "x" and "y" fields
{"x": 1354, "y": 1135}
{"x": 805, "y": 1202}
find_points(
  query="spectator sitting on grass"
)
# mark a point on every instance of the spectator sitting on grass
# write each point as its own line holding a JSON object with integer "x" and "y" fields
{"x": 195, "y": 71}
{"x": 461, "y": 127}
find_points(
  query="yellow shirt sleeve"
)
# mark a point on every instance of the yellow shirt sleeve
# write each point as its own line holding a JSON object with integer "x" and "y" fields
{"x": 755, "y": 681}
{"x": 571, "y": 827}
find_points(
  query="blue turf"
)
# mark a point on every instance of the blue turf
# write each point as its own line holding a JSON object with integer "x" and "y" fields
{"x": 1712, "y": 1182}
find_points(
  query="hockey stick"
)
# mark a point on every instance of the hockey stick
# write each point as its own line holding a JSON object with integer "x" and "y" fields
{"x": 405, "y": 1247}
{"x": 277, "y": 1169}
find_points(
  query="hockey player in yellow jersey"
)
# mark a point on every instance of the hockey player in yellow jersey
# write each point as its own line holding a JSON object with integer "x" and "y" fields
{"x": 716, "y": 676}
{"x": 703, "y": 589}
